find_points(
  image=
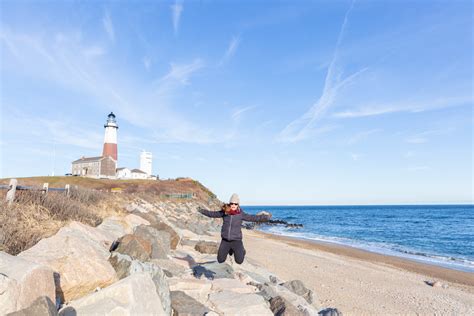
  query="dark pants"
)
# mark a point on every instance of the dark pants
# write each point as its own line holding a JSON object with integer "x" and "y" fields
{"x": 235, "y": 246}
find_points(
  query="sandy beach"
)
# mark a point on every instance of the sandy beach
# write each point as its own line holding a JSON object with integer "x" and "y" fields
{"x": 358, "y": 282}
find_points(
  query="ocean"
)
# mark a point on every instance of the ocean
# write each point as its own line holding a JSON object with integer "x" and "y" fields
{"x": 442, "y": 235}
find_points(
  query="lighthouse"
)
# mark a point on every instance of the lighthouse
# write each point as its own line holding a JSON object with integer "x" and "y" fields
{"x": 110, "y": 139}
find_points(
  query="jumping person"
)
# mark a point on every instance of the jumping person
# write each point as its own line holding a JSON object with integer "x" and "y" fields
{"x": 231, "y": 232}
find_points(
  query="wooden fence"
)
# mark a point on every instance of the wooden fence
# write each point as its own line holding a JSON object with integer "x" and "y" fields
{"x": 13, "y": 186}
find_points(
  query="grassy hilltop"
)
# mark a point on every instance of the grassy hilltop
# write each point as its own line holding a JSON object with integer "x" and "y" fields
{"x": 158, "y": 187}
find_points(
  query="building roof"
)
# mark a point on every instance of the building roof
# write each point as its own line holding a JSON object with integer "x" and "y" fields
{"x": 87, "y": 159}
{"x": 138, "y": 171}
{"x": 118, "y": 169}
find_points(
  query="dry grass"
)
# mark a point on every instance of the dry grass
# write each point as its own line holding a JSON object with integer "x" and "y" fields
{"x": 34, "y": 216}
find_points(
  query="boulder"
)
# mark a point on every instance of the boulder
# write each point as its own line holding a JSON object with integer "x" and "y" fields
{"x": 231, "y": 303}
{"x": 135, "y": 247}
{"x": 297, "y": 287}
{"x": 115, "y": 226}
{"x": 330, "y": 312}
{"x": 159, "y": 240}
{"x": 189, "y": 242}
{"x": 133, "y": 221}
{"x": 22, "y": 282}
{"x": 156, "y": 223}
{"x": 206, "y": 247}
{"x": 233, "y": 285}
{"x": 269, "y": 292}
{"x": 213, "y": 271}
{"x": 42, "y": 306}
{"x": 80, "y": 262}
{"x": 196, "y": 288}
{"x": 126, "y": 266}
{"x": 134, "y": 295}
{"x": 185, "y": 305}
{"x": 171, "y": 268}
{"x": 282, "y": 307}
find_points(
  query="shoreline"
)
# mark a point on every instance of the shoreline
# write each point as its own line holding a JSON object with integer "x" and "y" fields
{"x": 407, "y": 264}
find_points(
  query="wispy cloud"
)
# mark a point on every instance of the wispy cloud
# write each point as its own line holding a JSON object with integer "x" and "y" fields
{"x": 231, "y": 49}
{"x": 182, "y": 72}
{"x": 300, "y": 128}
{"x": 176, "y": 10}
{"x": 362, "y": 135}
{"x": 238, "y": 113}
{"x": 108, "y": 26}
{"x": 406, "y": 106}
{"x": 423, "y": 137}
{"x": 60, "y": 60}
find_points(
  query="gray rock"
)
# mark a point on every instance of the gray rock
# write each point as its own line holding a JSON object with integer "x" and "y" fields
{"x": 22, "y": 282}
{"x": 184, "y": 305}
{"x": 297, "y": 287}
{"x": 282, "y": 307}
{"x": 213, "y": 270}
{"x": 171, "y": 268}
{"x": 159, "y": 225}
{"x": 231, "y": 303}
{"x": 206, "y": 247}
{"x": 267, "y": 291}
{"x": 133, "y": 295}
{"x": 159, "y": 240}
{"x": 189, "y": 242}
{"x": 42, "y": 306}
{"x": 135, "y": 247}
{"x": 126, "y": 266}
{"x": 330, "y": 312}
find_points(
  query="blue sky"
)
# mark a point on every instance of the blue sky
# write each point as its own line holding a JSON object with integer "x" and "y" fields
{"x": 283, "y": 102}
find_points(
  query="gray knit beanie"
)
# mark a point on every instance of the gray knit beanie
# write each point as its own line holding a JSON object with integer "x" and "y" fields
{"x": 234, "y": 199}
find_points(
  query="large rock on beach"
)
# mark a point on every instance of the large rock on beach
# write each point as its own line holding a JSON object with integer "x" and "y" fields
{"x": 297, "y": 287}
{"x": 231, "y": 303}
{"x": 184, "y": 305}
{"x": 22, "y": 282}
{"x": 213, "y": 270}
{"x": 159, "y": 240}
{"x": 156, "y": 223}
{"x": 282, "y": 307}
{"x": 134, "y": 295}
{"x": 42, "y": 306}
{"x": 171, "y": 267}
{"x": 126, "y": 266}
{"x": 196, "y": 288}
{"x": 206, "y": 247}
{"x": 77, "y": 257}
{"x": 135, "y": 247}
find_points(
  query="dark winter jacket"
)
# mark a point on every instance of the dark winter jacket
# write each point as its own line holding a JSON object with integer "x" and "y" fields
{"x": 231, "y": 227}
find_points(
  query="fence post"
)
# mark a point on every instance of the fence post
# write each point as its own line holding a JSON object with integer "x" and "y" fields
{"x": 11, "y": 193}
{"x": 67, "y": 189}
{"x": 45, "y": 188}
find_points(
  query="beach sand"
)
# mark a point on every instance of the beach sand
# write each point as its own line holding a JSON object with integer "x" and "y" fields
{"x": 358, "y": 282}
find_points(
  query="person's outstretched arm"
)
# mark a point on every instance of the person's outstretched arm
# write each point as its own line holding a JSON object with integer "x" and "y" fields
{"x": 211, "y": 213}
{"x": 255, "y": 218}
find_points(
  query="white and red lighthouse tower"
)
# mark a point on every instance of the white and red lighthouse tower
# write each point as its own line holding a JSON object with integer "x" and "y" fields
{"x": 110, "y": 139}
